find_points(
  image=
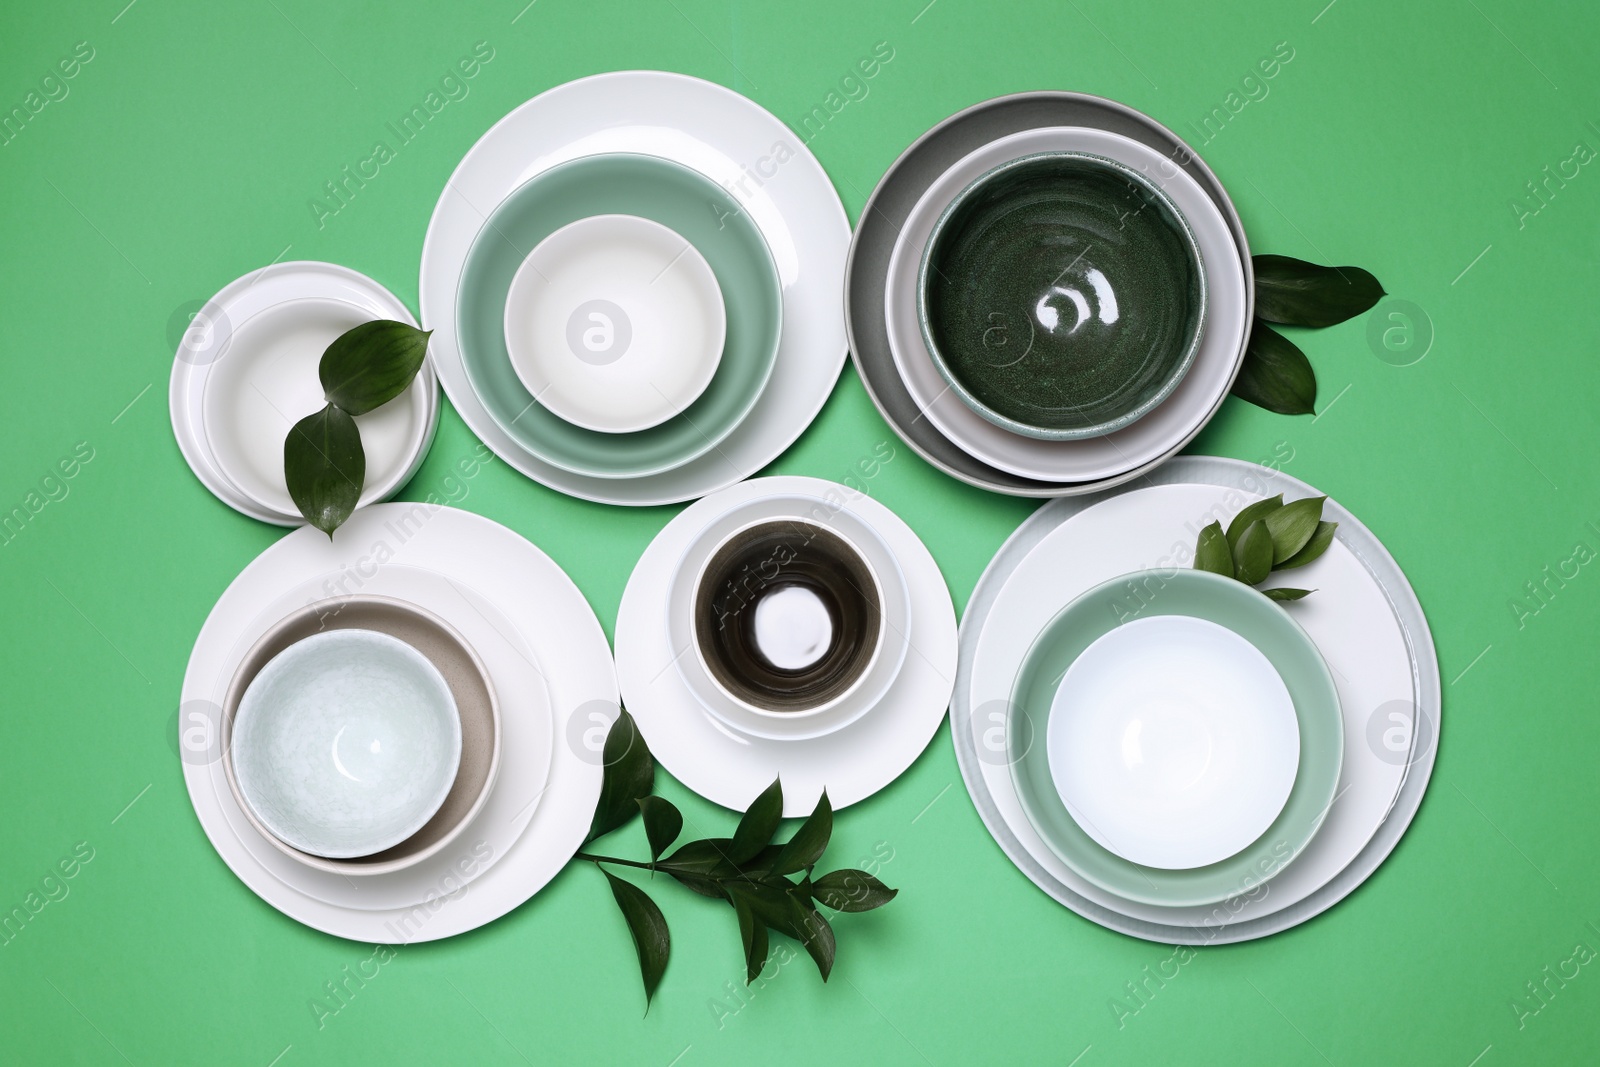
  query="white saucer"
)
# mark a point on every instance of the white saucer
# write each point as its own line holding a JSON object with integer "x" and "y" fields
{"x": 1174, "y": 419}
{"x": 246, "y": 371}
{"x": 533, "y": 601}
{"x": 1173, "y": 742}
{"x": 737, "y": 144}
{"x": 730, "y": 768}
{"x": 615, "y": 323}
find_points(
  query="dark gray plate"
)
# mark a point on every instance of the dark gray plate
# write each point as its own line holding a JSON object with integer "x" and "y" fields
{"x": 918, "y": 167}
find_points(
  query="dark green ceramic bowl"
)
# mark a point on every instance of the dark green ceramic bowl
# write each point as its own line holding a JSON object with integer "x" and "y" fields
{"x": 1062, "y": 295}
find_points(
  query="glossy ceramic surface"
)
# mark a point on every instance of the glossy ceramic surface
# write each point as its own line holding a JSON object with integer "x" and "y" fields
{"x": 1062, "y": 295}
{"x": 346, "y": 743}
{"x": 615, "y": 323}
{"x": 676, "y": 197}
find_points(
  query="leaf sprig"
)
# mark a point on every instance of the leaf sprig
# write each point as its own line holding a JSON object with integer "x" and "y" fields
{"x": 1291, "y": 292}
{"x": 1264, "y": 537}
{"x": 749, "y": 871}
{"x": 324, "y": 463}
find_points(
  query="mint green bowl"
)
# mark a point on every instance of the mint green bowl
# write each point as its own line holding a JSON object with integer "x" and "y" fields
{"x": 1266, "y": 625}
{"x": 701, "y": 212}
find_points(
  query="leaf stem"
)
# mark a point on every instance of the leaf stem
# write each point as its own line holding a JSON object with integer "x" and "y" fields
{"x": 613, "y": 859}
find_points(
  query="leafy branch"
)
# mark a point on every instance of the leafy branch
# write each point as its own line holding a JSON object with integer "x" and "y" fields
{"x": 324, "y": 463}
{"x": 1291, "y": 292}
{"x": 1264, "y": 537}
{"x": 748, "y": 871}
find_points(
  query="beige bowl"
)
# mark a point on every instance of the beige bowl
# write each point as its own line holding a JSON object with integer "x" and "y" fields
{"x": 469, "y": 684}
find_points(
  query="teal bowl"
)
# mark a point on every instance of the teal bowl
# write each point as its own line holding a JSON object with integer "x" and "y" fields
{"x": 1062, "y": 295}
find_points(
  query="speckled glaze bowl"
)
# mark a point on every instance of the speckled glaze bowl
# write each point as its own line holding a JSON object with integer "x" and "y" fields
{"x": 1061, "y": 295}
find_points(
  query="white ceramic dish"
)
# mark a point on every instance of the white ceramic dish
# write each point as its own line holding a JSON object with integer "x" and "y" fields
{"x": 509, "y": 854}
{"x": 1195, "y": 397}
{"x": 346, "y": 743}
{"x": 615, "y": 323}
{"x": 246, "y": 371}
{"x": 1364, "y": 619}
{"x": 1173, "y": 742}
{"x": 736, "y": 143}
{"x": 894, "y": 601}
{"x": 731, "y": 768}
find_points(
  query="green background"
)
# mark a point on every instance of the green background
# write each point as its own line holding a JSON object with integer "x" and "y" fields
{"x": 186, "y": 153}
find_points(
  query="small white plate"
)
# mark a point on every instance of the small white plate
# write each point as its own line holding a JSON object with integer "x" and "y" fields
{"x": 1173, "y": 742}
{"x": 731, "y": 768}
{"x": 246, "y": 371}
{"x": 615, "y": 323}
{"x": 346, "y": 743}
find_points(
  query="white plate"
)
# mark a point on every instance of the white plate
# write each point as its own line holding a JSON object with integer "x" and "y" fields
{"x": 1097, "y": 457}
{"x": 1384, "y": 668}
{"x": 615, "y": 323}
{"x": 731, "y": 768}
{"x": 545, "y": 625}
{"x": 246, "y": 371}
{"x": 1173, "y": 742}
{"x": 733, "y": 141}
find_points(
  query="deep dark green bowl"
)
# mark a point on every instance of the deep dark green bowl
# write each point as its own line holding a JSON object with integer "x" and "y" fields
{"x": 1062, "y": 295}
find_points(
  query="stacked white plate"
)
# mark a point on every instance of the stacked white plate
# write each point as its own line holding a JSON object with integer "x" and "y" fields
{"x": 1364, "y": 619}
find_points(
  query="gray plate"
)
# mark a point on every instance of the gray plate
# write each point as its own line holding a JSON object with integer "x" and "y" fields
{"x": 1426, "y": 697}
{"x": 903, "y": 185}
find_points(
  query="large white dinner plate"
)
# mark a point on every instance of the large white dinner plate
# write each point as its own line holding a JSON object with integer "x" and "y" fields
{"x": 1363, "y": 617}
{"x": 731, "y": 768}
{"x": 266, "y": 396}
{"x": 1147, "y": 438}
{"x": 553, "y": 631}
{"x": 733, "y": 141}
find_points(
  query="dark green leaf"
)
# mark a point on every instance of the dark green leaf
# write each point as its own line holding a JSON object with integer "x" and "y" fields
{"x": 1287, "y": 594}
{"x": 752, "y": 933}
{"x": 630, "y": 773}
{"x": 850, "y": 890}
{"x": 1276, "y": 375}
{"x": 807, "y": 926}
{"x": 705, "y": 886}
{"x": 760, "y": 822}
{"x": 1211, "y": 552}
{"x": 325, "y": 466}
{"x": 809, "y": 842}
{"x": 649, "y": 929}
{"x": 1252, "y": 557}
{"x": 1259, "y": 510}
{"x": 707, "y": 857}
{"x": 372, "y": 364}
{"x": 663, "y": 822}
{"x": 1313, "y": 548}
{"x": 1297, "y": 293}
{"x": 1292, "y": 526}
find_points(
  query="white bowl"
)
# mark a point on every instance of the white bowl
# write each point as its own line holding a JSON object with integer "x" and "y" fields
{"x": 346, "y": 743}
{"x": 615, "y": 323}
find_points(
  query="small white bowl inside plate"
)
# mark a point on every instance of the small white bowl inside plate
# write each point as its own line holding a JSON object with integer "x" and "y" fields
{"x": 615, "y": 323}
{"x": 1173, "y": 742}
{"x": 265, "y": 380}
{"x": 346, "y": 743}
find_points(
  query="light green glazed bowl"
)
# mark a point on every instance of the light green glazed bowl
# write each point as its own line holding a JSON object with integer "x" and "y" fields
{"x": 1245, "y": 611}
{"x": 700, "y": 211}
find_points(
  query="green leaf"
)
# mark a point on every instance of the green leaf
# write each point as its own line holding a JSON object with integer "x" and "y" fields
{"x": 663, "y": 822}
{"x": 1313, "y": 548}
{"x": 1297, "y": 293}
{"x": 370, "y": 365}
{"x": 760, "y": 822}
{"x": 706, "y": 857}
{"x": 648, "y": 926}
{"x": 1252, "y": 557}
{"x": 630, "y": 773}
{"x": 1259, "y": 510}
{"x": 809, "y": 842}
{"x": 325, "y": 466}
{"x": 1211, "y": 552}
{"x": 851, "y": 890}
{"x": 752, "y": 933}
{"x": 1282, "y": 593}
{"x": 807, "y": 926}
{"x": 1292, "y": 526}
{"x": 1276, "y": 375}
